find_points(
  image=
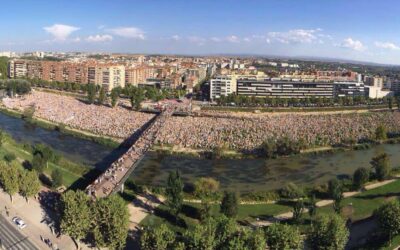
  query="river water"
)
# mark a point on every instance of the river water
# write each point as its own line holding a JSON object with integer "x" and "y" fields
{"x": 239, "y": 175}
{"x": 261, "y": 174}
{"x": 75, "y": 149}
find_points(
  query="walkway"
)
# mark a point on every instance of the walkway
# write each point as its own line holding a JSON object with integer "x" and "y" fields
{"x": 114, "y": 177}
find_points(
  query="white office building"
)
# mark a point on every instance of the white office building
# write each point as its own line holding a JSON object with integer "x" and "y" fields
{"x": 222, "y": 85}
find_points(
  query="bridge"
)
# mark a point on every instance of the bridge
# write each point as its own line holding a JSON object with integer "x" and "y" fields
{"x": 113, "y": 179}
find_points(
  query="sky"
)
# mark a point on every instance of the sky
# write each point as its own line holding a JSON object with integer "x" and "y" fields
{"x": 346, "y": 29}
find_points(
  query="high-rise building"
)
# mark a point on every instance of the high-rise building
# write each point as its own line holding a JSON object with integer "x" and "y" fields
{"x": 222, "y": 85}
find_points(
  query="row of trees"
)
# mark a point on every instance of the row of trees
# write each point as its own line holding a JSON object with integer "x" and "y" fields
{"x": 13, "y": 87}
{"x": 136, "y": 95}
{"x": 14, "y": 179}
{"x": 104, "y": 220}
{"x": 240, "y": 100}
{"x": 283, "y": 146}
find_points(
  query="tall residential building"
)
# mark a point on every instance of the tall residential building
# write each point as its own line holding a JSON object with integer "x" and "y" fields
{"x": 222, "y": 85}
{"x": 17, "y": 69}
{"x": 107, "y": 75}
{"x": 137, "y": 75}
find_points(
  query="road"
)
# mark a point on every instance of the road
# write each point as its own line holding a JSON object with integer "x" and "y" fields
{"x": 12, "y": 238}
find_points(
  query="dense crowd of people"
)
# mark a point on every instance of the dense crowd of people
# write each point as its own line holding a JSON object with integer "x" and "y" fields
{"x": 248, "y": 131}
{"x": 116, "y": 122}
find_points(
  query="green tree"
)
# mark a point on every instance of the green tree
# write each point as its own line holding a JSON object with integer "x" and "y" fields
{"x": 57, "y": 179}
{"x": 174, "y": 192}
{"x": 335, "y": 191}
{"x": 10, "y": 179}
{"x": 298, "y": 208}
{"x": 360, "y": 177}
{"x": 312, "y": 207}
{"x": 230, "y": 204}
{"x": 38, "y": 163}
{"x": 292, "y": 191}
{"x": 111, "y": 220}
{"x": 76, "y": 215}
{"x": 381, "y": 165}
{"x": 102, "y": 95}
{"x": 157, "y": 238}
{"x": 281, "y": 236}
{"x": 380, "y": 133}
{"x": 329, "y": 232}
{"x": 91, "y": 92}
{"x": 115, "y": 92}
{"x": 2, "y": 137}
{"x": 206, "y": 189}
{"x": 388, "y": 216}
{"x": 390, "y": 103}
{"x": 29, "y": 185}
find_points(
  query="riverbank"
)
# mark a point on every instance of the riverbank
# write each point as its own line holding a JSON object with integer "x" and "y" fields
{"x": 103, "y": 140}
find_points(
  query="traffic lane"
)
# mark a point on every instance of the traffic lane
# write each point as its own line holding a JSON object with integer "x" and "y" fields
{"x": 12, "y": 238}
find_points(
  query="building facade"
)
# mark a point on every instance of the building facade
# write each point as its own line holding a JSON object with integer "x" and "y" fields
{"x": 222, "y": 86}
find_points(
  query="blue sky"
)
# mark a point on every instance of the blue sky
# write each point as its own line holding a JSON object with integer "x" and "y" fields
{"x": 356, "y": 29}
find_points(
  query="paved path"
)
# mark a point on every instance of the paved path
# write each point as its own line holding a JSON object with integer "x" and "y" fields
{"x": 13, "y": 238}
{"x": 140, "y": 208}
{"x": 33, "y": 215}
{"x": 321, "y": 203}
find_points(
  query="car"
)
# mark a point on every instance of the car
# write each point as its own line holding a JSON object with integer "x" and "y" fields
{"x": 19, "y": 222}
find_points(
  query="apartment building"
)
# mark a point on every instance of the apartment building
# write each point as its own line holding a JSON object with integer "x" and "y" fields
{"x": 17, "y": 69}
{"x": 222, "y": 85}
{"x": 107, "y": 75}
{"x": 137, "y": 75}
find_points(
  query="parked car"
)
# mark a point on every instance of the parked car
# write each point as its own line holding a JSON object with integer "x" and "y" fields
{"x": 19, "y": 222}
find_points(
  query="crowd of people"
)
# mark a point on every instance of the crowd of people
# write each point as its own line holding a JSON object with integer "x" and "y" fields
{"x": 114, "y": 175}
{"x": 115, "y": 122}
{"x": 247, "y": 132}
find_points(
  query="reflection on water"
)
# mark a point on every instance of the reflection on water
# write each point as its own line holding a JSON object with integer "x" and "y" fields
{"x": 260, "y": 174}
{"x": 75, "y": 149}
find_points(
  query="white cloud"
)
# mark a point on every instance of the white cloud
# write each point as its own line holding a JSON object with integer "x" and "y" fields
{"x": 215, "y": 39}
{"x": 99, "y": 38}
{"x": 60, "y": 32}
{"x": 128, "y": 32}
{"x": 387, "y": 45}
{"x": 233, "y": 39}
{"x": 176, "y": 37}
{"x": 197, "y": 40}
{"x": 76, "y": 40}
{"x": 350, "y": 43}
{"x": 294, "y": 36}
{"x": 247, "y": 39}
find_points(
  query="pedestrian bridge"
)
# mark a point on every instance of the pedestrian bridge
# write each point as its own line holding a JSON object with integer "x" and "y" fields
{"x": 112, "y": 180}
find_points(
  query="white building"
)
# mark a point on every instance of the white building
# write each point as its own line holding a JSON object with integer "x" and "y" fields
{"x": 222, "y": 86}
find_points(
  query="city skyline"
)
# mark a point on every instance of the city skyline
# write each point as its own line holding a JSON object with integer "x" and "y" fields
{"x": 354, "y": 31}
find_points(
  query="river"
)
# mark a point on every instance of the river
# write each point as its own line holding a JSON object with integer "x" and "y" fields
{"x": 240, "y": 175}
{"x": 72, "y": 148}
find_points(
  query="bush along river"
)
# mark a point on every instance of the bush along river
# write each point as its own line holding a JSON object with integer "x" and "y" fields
{"x": 242, "y": 175}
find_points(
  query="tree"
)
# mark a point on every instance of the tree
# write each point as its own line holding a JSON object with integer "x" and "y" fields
{"x": 206, "y": 189}
{"x": 91, "y": 92}
{"x": 281, "y": 236}
{"x": 157, "y": 238}
{"x": 229, "y": 204}
{"x": 174, "y": 192}
{"x": 56, "y": 178}
{"x": 111, "y": 220}
{"x": 29, "y": 184}
{"x": 114, "y": 96}
{"x": 292, "y": 191}
{"x": 335, "y": 191}
{"x": 102, "y": 95}
{"x": 388, "y": 216}
{"x": 381, "y": 165}
{"x": 312, "y": 207}
{"x": 298, "y": 208}
{"x": 390, "y": 103}
{"x": 76, "y": 215}
{"x": 10, "y": 157}
{"x": 38, "y": 163}
{"x": 360, "y": 177}
{"x": 10, "y": 179}
{"x": 380, "y": 133}
{"x": 329, "y": 232}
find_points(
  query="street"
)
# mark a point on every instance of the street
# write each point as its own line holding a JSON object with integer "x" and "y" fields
{"x": 12, "y": 238}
